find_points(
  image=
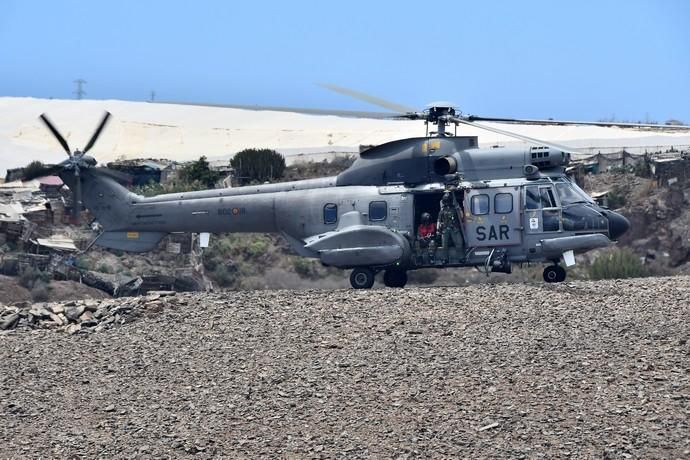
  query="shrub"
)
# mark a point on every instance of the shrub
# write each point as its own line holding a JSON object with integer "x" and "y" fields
{"x": 82, "y": 263}
{"x": 619, "y": 263}
{"x": 258, "y": 165}
{"x": 211, "y": 261}
{"x": 616, "y": 198}
{"x": 642, "y": 169}
{"x": 304, "y": 267}
{"x": 199, "y": 171}
{"x": 104, "y": 268}
{"x": 257, "y": 247}
{"x": 225, "y": 276}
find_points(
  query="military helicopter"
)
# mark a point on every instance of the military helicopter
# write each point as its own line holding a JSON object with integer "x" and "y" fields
{"x": 514, "y": 205}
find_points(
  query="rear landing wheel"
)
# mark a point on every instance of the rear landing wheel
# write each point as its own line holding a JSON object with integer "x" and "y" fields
{"x": 554, "y": 274}
{"x": 395, "y": 278}
{"x": 362, "y": 278}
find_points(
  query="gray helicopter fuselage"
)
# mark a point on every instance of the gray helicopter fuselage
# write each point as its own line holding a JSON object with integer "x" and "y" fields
{"x": 514, "y": 205}
{"x": 305, "y": 211}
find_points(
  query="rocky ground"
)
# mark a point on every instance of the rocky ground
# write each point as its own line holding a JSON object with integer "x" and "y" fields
{"x": 581, "y": 369}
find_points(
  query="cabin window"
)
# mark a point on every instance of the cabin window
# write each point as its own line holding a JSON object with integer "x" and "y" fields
{"x": 503, "y": 203}
{"x": 378, "y": 210}
{"x": 330, "y": 213}
{"x": 480, "y": 204}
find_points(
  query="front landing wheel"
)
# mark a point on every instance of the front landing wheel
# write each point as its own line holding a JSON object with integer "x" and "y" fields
{"x": 554, "y": 274}
{"x": 362, "y": 278}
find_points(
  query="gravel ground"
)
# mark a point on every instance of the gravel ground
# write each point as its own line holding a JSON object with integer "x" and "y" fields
{"x": 581, "y": 369}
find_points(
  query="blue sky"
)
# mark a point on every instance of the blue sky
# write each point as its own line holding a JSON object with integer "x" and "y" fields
{"x": 584, "y": 59}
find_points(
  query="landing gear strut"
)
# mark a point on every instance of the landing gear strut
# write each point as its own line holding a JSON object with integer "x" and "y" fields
{"x": 395, "y": 278}
{"x": 554, "y": 274}
{"x": 362, "y": 278}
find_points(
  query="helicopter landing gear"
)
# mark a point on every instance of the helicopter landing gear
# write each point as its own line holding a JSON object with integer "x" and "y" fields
{"x": 554, "y": 274}
{"x": 395, "y": 278}
{"x": 362, "y": 278}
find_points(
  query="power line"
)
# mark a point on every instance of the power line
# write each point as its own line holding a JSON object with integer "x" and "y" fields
{"x": 80, "y": 88}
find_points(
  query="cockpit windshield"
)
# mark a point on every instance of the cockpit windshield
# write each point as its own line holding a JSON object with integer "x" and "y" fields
{"x": 570, "y": 193}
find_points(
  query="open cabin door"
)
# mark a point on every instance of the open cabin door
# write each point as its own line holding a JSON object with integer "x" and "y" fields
{"x": 492, "y": 217}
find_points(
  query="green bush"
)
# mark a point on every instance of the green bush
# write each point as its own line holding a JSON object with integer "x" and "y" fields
{"x": 642, "y": 169}
{"x": 104, "y": 268}
{"x": 619, "y": 263}
{"x": 304, "y": 267}
{"x": 225, "y": 276}
{"x": 257, "y": 247}
{"x": 258, "y": 165}
{"x": 201, "y": 172}
{"x": 82, "y": 263}
{"x": 211, "y": 261}
{"x": 616, "y": 198}
{"x": 223, "y": 246}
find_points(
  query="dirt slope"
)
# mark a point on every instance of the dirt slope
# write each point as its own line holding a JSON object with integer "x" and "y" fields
{"x": 582, "y": 369}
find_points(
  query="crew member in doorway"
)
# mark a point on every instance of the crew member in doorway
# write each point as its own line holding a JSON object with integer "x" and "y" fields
{"x": 426, "y": 240}
{"x": 449, "y": 227}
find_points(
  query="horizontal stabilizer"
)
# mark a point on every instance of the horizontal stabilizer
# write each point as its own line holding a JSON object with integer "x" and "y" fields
{"x": 130, "y": 241}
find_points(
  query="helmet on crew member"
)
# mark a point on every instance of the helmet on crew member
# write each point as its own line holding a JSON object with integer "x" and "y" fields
{"x": 446, "y": 198}
{"x": 426, "y": 217}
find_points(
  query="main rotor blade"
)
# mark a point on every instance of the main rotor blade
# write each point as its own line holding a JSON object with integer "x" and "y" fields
{"x": 552, "y": 145}
{"x": 570, "y": 122}
{"x": 97, "y": 133}
{"x": 56, "y": 133}
{"x": 47, "y": 170}
{"x": 308, "y": 111}
{"x": 395, "y": 107}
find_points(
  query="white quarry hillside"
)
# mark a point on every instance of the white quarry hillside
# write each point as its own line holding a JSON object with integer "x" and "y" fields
{"x": 184, "y": 132}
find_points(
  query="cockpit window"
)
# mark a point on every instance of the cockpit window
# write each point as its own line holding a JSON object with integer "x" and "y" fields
{"x": 547, "y": 199}
{"x": 539, "y": 197}
{"x": 570, "y": 193}
{"x": 532, "y": 197}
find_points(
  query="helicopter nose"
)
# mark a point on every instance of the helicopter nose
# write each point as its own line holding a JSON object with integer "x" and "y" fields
{"x": 618, "y": 225}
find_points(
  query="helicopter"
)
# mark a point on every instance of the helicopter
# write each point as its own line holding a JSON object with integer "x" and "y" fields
{"x": 514, "y": 205}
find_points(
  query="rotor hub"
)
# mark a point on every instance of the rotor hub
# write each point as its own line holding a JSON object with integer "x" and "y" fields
{"x": 437, "y": 113}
